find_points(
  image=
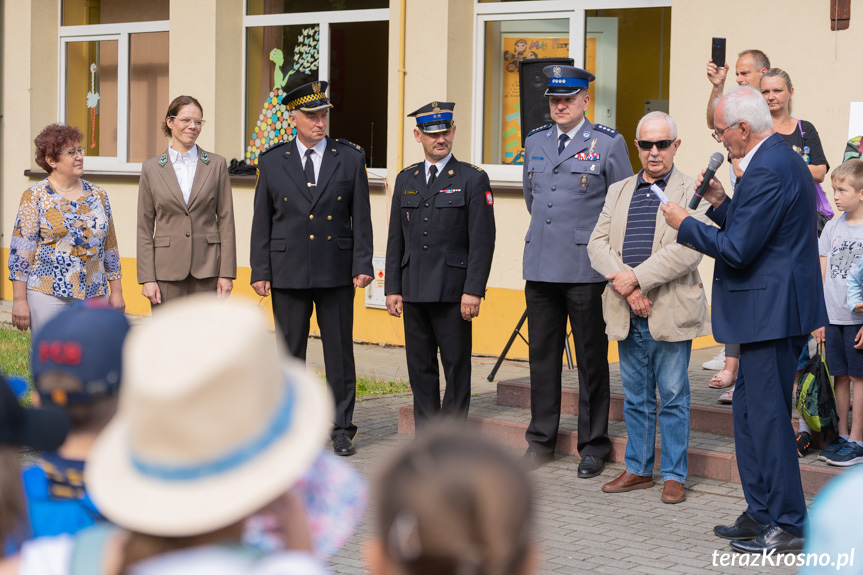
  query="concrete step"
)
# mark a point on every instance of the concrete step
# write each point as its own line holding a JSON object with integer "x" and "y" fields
{"x": 715, "y": 418}
{"x": 711, "y": 455}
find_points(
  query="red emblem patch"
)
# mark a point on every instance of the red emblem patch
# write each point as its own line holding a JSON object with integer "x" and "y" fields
{"x": 489, "y": 199}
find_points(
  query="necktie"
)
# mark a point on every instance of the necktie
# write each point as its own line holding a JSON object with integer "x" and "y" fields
{"x": 563, "y": 140}
{"x": 432, "y": 175}
{"x": 310, "y": 168}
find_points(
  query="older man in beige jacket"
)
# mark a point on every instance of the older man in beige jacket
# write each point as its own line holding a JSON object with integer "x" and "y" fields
{"x": 654, "y": 305}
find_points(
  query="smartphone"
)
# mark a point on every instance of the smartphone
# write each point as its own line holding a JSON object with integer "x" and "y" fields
{"x": 717, "y": 51}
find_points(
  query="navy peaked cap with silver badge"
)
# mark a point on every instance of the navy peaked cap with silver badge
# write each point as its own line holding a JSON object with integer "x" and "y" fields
{"x": 308, "y": 97}
{"x": 434, "y": 117}
{"x": 566, "y": 80}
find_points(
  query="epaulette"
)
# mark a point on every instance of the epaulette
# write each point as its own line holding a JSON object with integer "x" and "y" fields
{"x": 273, "y": 147}
{"x": 606, "y": 130}
{"x": 412, "y": 166}
{"x": 349, "y": 144}
{"x": 477, "y": 168}
{"x": 540, "y": 129}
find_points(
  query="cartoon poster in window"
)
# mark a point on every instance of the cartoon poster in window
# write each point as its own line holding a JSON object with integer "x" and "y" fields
{"x": 516, "y": 48}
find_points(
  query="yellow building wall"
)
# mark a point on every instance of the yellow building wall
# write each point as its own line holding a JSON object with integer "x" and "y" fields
{"x": 206, "y": 62}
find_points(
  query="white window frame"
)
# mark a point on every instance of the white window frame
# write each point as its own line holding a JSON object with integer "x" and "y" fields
{"x": 574, "y": 10}
{"x": 323, "y": 21}
{"x": 101, "y": 32}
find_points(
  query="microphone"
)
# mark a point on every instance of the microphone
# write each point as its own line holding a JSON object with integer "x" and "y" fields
{"x": 715, "y": 161}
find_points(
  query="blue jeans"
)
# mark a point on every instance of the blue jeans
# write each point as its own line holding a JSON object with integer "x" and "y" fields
{"x": 645, "y": 365}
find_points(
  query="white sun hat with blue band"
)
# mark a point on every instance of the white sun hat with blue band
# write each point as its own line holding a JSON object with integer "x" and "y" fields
{"x": 215, "y": 421}
{"x": 566, "y": 81}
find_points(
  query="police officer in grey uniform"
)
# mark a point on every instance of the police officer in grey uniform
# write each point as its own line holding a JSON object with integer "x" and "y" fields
{"x": 439, "y": 251}
{"x": 568, "y": 166}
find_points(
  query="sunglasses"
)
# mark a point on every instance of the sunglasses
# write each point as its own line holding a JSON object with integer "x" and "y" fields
{"x": 648, "y": 145}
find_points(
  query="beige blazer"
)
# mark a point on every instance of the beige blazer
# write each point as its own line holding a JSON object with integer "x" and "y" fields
{"x": 176, "y": 240}
{"x": 668, "y": 278}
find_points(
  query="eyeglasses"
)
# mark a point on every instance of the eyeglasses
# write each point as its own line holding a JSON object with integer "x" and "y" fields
{"x": 648, "y": 145}
{"x": 717, "y": 133}
{"x": 184, "y": 122}
{"x": 79, "y": 151}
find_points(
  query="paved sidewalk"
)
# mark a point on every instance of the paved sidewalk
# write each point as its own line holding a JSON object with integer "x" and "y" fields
{"x": 579, "y": 528}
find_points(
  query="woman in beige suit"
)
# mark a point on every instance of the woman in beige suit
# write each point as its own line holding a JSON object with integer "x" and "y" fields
{"x": 186, "y": 240}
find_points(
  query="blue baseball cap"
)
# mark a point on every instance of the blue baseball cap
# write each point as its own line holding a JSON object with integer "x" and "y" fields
{"x": 84, "y": 341}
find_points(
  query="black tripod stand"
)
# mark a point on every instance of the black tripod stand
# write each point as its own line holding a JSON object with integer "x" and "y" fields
{"x": 517, "y": 333}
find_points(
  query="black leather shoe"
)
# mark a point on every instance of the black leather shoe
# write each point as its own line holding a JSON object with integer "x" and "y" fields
{"x": 342, "y": 445}
{"x": 532, "y": 460}
{"x": 744, "y": 528}
{"x": 590, "y": 466}
{"x": 772, "y": 539}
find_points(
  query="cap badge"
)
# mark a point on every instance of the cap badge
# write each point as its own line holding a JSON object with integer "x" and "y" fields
{"x": 556, "y": 72}
{"x": 316, "y": 87}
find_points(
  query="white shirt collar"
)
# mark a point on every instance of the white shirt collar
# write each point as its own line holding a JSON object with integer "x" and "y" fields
{"x": 440, "y": 165}
{"x": 744, "y": 163}
{"x": 319, "y": 148}
{"x": 176, "y": 156}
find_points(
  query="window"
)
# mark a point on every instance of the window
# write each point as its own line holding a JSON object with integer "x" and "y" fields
{"x": 507, "y": 32}
{"x": 348, "y": 49}
{"x": 114, "y": 79}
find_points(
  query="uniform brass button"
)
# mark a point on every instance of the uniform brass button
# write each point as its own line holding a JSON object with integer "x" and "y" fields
{"x": 555, "y": 172}
{"x": 339, "y": 198}
{"x": 188, "y": 234}
{"x": 554, "y": 188}
{"x": 311, "y": 216}
{"x": 450, "y": 202}
{"x": 548, "y": 221}
{"x": 425, "y": 220}
{"x": 550, "y": 204}
{"x": 311, "y": 237}
{"x": 329, "y": 217}
{"x": 426, "y": 204}
{"x": 425, "y": 247}
{"x": 285, "y": 199}
{"x": 425, "y": 233}
{"x": 329, "y": 238}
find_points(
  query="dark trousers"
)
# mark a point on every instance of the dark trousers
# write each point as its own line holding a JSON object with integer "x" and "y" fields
{"x": 548, "y": 306}
{"x": 334, "y": 307}
{"x": 764, "y": 439}
{"x": 186, "y": 287}
{"x": 429, "y": 327}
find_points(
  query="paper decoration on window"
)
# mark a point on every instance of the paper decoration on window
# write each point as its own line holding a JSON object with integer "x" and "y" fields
{"x": 92, "y": 102}
{"x": 273, "y": 125}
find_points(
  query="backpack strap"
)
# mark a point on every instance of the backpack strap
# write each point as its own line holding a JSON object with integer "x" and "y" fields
{"x": 89, "y": 548}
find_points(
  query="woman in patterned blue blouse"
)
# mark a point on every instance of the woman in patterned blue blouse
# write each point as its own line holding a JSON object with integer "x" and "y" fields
{"x": 63, "y": 245}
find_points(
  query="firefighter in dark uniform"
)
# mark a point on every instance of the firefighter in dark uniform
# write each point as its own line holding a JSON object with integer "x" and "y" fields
{"x": 439, "y": 250}
{"x": 311, "y": 243}
{"x": 568, "y": 167}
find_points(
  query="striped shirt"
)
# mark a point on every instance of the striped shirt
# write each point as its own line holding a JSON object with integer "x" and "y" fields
{"x": 641, "y": 221}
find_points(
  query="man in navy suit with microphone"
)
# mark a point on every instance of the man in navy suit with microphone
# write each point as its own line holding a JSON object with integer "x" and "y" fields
{"x": 767, "y": 296}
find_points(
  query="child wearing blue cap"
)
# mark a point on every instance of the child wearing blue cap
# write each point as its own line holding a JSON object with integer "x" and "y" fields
{"x": 76, "y": 362}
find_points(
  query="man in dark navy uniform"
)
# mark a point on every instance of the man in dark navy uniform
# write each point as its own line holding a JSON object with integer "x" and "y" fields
{"x": 568, "y": 167}
{"x": 439, "y": 251}
{"x": 312, "y": 243}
